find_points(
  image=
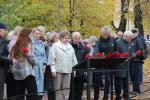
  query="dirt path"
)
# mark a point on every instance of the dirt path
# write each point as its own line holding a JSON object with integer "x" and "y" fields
{"x": 145, "y": 89}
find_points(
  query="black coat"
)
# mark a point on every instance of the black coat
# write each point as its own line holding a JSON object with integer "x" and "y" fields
{"x": 106, "y": 45}
{"x": 4, "y": 60}
{"x": 136, "y": 44}
{"x": 80, "y": 52}
{"x": 122, "y": 46}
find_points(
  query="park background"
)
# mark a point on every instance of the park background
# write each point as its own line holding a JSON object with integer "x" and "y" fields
{"x": 86, "y": 16}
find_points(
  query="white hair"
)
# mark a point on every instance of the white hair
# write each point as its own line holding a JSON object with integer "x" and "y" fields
{"x": 128, "y": 33}
{"x": 105, "y": 29}
{"x": 93, "y": 38}
{"x": 76, "y": 34}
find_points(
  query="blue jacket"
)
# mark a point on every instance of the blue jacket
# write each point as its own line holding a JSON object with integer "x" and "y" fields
{"x": 40, "y": 54}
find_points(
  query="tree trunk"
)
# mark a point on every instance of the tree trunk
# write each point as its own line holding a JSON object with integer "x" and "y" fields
{"x": 71, "y": 11}
{"x": 123, "y": 20}
{"x": 138, "y": 17}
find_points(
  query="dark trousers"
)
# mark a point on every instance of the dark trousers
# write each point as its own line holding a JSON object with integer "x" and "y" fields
{"x": 121, "y": 83}
{"x": 11, "y": 85}
{"x": 97, "y": 82}
{"x": 48, "y": 83}
{"x": 28, "y": 83}
{"x": 2, "y": 81}
{"x": 51, "y": 95}
{"x": 108, "y": 77}
{"x": 136, "y": 75}
{"x": 78, "y": 88}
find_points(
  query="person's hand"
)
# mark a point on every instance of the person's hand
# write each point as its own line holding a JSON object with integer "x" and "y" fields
{"x": 28, "y": 53}
{"x": 54, "y": 74}
{"x": 14, "y": 61}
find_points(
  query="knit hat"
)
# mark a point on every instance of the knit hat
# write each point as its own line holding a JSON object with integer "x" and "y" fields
{"x": 2, "y": 26}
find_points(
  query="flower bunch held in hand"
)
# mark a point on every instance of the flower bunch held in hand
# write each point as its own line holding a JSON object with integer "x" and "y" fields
{"x": 25, "y": 50}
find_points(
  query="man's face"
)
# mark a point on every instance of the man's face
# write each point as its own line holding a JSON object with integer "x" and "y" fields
{"x": 76, "y": 39}
{"x": 2, "y": 32}
{"x": 105, "y": 35}
{"x": 119, "y": 34}
{"x": 127, "y": 38}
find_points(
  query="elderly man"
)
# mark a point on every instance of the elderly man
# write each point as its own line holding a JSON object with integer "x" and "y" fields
{"x": 122, "y": 46}
{"x": 106, "y": 44}
{"x": 80, "y": 51}
{"x": 136, "y": 63}
{"x": 4, "y": 60}
{"x": 119, "y": 34}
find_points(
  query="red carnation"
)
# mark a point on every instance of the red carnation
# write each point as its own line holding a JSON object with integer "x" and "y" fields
{"x": 86, "y": 44}
{"x": 108, "y": 55}
{"x": 25, "y": 50}
{"x": 98, "y": 54}
{"x": 115, "y": 54}
{"x": 87, "y": 56}
{"x": 139, "y": 52}
{"x": 125, "y": 54}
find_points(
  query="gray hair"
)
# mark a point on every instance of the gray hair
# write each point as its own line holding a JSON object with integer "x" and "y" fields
{"x": 105, "y": 29}
{"x": 76, "y": 34}
{"x": 93, "y": 38}
{"x": 128, "y": 33}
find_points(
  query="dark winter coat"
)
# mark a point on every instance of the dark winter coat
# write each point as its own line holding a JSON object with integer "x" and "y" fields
{"x": 106, "y": 45}
{"x": 122, "y": 46}
{"x": 136, "y": 44}
{"x": 4, "y": 60}
{"x": 48, "y": 79}
{"x": 80, "y": 52}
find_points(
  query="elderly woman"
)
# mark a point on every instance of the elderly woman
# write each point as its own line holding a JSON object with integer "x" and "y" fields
{"x": 39, "y": 51}
{"x": 48, "y": 80}
{"x": 61, "y": 61}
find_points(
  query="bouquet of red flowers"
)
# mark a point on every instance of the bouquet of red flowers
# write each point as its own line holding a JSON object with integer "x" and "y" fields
{"x": 125, "y": 54}
{"x": 86, "y": 44}
{"x": 98, "y": 54}
{"x": 108, "y": 55}
{"x": 115, "y": 54}
{"x": 140, "y": 54}
{"x": 88, "y": 56}
{"x": 25, "y": 50}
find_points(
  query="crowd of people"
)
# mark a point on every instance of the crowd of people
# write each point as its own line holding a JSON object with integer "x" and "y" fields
{"x": 33, "y": 61}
